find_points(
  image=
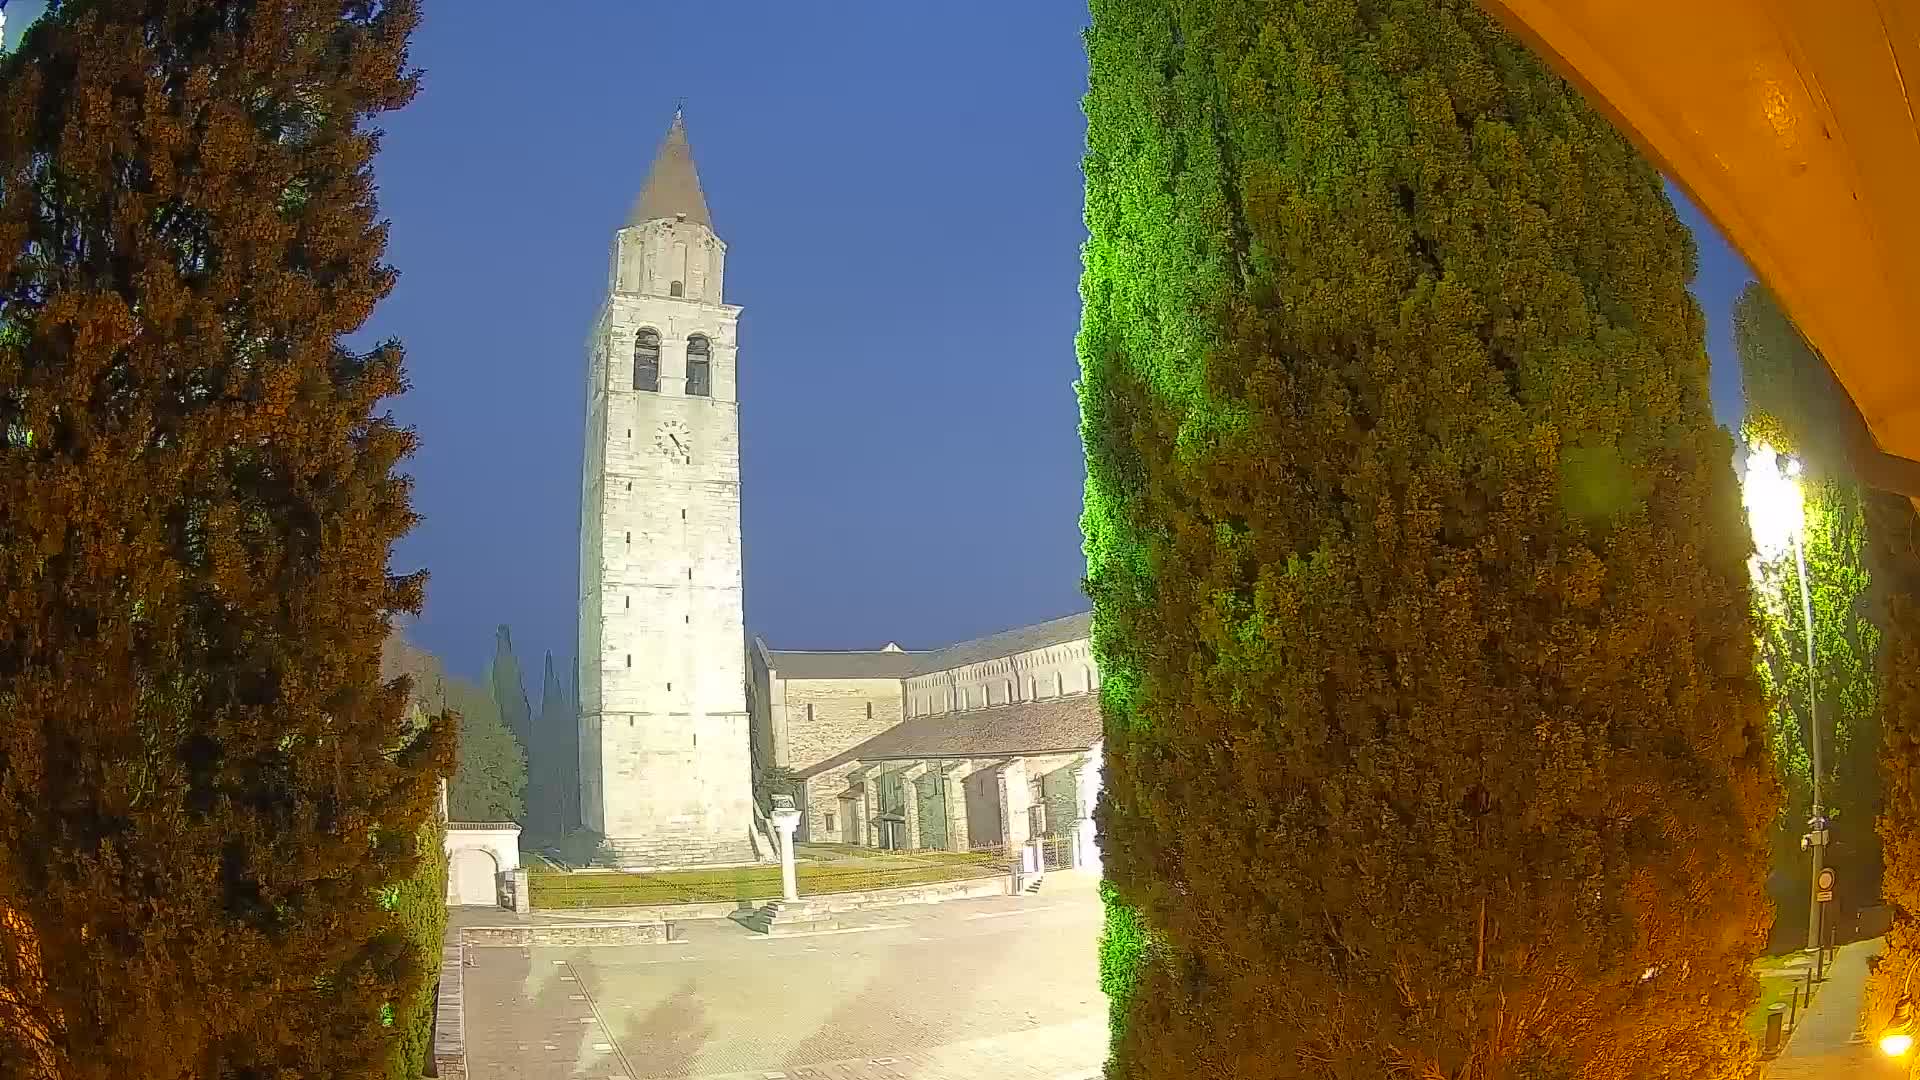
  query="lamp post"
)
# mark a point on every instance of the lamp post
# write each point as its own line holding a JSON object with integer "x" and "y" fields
{"x": 1777, "y": 513}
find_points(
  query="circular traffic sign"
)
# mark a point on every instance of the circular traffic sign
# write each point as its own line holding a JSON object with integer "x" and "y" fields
{"x": 1826, "y": 878}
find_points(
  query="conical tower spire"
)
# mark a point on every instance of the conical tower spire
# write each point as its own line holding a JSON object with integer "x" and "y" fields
{"x": 673, "y": 187}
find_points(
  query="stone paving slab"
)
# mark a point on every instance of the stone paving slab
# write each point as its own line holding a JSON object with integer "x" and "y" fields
{"x": 1002, "y": 987}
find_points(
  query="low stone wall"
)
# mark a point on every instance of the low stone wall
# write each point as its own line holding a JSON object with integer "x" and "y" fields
{"x": 449, "y": 1016}
{"x": 931, "y": 893}
{"x": 567, "y": 934}
{"x": 716, "y": 909}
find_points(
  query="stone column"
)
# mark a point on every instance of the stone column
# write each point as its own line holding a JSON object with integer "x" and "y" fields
{"x": 953, "y": 782}
{"x": 785, "y": 820}
{"x": 1015, "y": 796}
{"x": 522, "y": 891}
{"x": 910, "y": 801}
{"x": 870, "y": 809}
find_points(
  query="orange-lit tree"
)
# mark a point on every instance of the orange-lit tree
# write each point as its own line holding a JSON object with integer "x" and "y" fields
{"x": 1796, "y": 408}
{"x": 206, "y": 788}
{"x": 1434, "y": 743}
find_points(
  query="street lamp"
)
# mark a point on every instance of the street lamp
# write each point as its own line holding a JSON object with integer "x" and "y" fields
{"x": 1777, "y": 514}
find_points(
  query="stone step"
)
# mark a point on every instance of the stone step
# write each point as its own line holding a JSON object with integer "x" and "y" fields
{"x": 675, "y": 852}
{"x": 777, "y": 917}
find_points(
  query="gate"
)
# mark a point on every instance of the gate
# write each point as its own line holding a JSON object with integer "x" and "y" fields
{"x": 1056, "y": 851}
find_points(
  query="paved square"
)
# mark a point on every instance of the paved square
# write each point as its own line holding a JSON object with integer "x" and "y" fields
{"x": 993, "y": 988}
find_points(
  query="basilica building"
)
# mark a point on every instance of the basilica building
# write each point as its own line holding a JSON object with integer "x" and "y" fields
{"x": 987, "y": 744}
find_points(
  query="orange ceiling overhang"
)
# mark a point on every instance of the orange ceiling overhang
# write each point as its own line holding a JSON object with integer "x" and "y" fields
{"x": 1791, "y": 125}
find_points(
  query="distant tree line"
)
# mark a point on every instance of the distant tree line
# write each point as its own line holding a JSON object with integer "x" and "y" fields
{"x": 514, "y": 764}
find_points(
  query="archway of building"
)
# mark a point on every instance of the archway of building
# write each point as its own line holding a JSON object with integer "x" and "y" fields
{"x": 473, "y": 878}
{"x": 1791, "y": 127}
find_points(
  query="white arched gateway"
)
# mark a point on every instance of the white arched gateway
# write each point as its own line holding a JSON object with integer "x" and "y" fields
{"x": 480, "y": 857}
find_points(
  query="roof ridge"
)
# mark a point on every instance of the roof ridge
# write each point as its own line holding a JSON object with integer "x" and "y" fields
{"x": 835, "y": 652}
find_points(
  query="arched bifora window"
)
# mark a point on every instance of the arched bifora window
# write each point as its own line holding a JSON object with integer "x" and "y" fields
{"x": 646, "y": 360}
{"x": 699, "y": 367}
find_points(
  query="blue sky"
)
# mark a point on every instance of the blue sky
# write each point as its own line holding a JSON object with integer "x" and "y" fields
{"x": 900, "y": 191}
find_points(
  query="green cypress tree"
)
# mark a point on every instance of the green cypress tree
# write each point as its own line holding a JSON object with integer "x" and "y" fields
{"x": 1893, "y": 530}
{"x": 553, "y": 773}
{"x": 205, "y": 784}
{"x": 510, "y": 689}
{"x": 1434, "y": 742}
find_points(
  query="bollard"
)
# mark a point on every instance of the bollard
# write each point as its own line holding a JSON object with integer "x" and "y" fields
{"x": 1776, "y": 1028}
{"x": 1793, "y": 1014}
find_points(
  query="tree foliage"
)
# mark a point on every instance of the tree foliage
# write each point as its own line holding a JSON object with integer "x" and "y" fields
{"x": 420, "y": 905}
{"x": 1790, "y": 405}
{"x": 510, "y": 689}
{"x": 553, "y": 761}
{"x": 1434, "y": 735}
{"x": 206, "y": 787}
{"x": 1894, "y": 532}
{"x": 490, "y": 782}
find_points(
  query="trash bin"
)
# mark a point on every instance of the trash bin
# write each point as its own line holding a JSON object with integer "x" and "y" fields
{"x": 1776, "y": 1028}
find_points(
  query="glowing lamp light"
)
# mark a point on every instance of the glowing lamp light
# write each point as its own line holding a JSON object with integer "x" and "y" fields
{"x": 1897, "y": 1039}
{"x": 1776, "y": 508}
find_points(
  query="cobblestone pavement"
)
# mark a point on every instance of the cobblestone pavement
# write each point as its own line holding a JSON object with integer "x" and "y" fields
{"x": 996, "y": 988}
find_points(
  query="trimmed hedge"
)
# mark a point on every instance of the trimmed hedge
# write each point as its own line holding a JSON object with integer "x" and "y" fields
{"x": 1435, "y": 746}
{"x": 420, "y": 904}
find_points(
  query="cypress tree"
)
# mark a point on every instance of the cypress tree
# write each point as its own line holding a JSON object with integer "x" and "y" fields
{"x": 1434, "y": 742}
{"x": 510, "y": 689}
{"x": 553, "y": 775}
{"x": 1893, "y": 530}
{"x": 206, "y": 787}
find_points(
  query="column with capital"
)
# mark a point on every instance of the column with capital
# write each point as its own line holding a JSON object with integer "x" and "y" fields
{"x": 786, "y": 819}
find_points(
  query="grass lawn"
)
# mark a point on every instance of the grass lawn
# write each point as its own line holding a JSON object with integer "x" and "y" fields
{"x": 552, "y": 889}
{"x": 825, "y": 852}
{"x": 1777, "y": 983}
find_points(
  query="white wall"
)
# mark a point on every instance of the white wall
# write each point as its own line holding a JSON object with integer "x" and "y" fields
{"x": 1067, "y": 668}
{"x": 475, "y": 860}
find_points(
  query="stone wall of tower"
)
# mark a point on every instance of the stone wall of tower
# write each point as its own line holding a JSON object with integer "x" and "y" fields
{"x": 666, "y": 770}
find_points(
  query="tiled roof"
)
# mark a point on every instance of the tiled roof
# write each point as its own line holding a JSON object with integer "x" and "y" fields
{"x": 1026, "y": 727}
{"x": 1006, "y": 643}
{"x": 673, "y": 186}
{"x": 862, "y": 664}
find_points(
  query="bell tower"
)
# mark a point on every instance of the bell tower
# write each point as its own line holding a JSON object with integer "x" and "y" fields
{"x": 665, "y": 767}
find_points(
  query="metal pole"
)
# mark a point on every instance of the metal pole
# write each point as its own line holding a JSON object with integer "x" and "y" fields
{"x": 1816, "y": 833}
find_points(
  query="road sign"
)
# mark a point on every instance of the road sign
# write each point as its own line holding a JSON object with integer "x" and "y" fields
{"x": 1824, "y": 883}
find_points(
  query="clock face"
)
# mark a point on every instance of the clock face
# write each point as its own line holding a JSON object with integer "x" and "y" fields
{"x": 675, "y": 441}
